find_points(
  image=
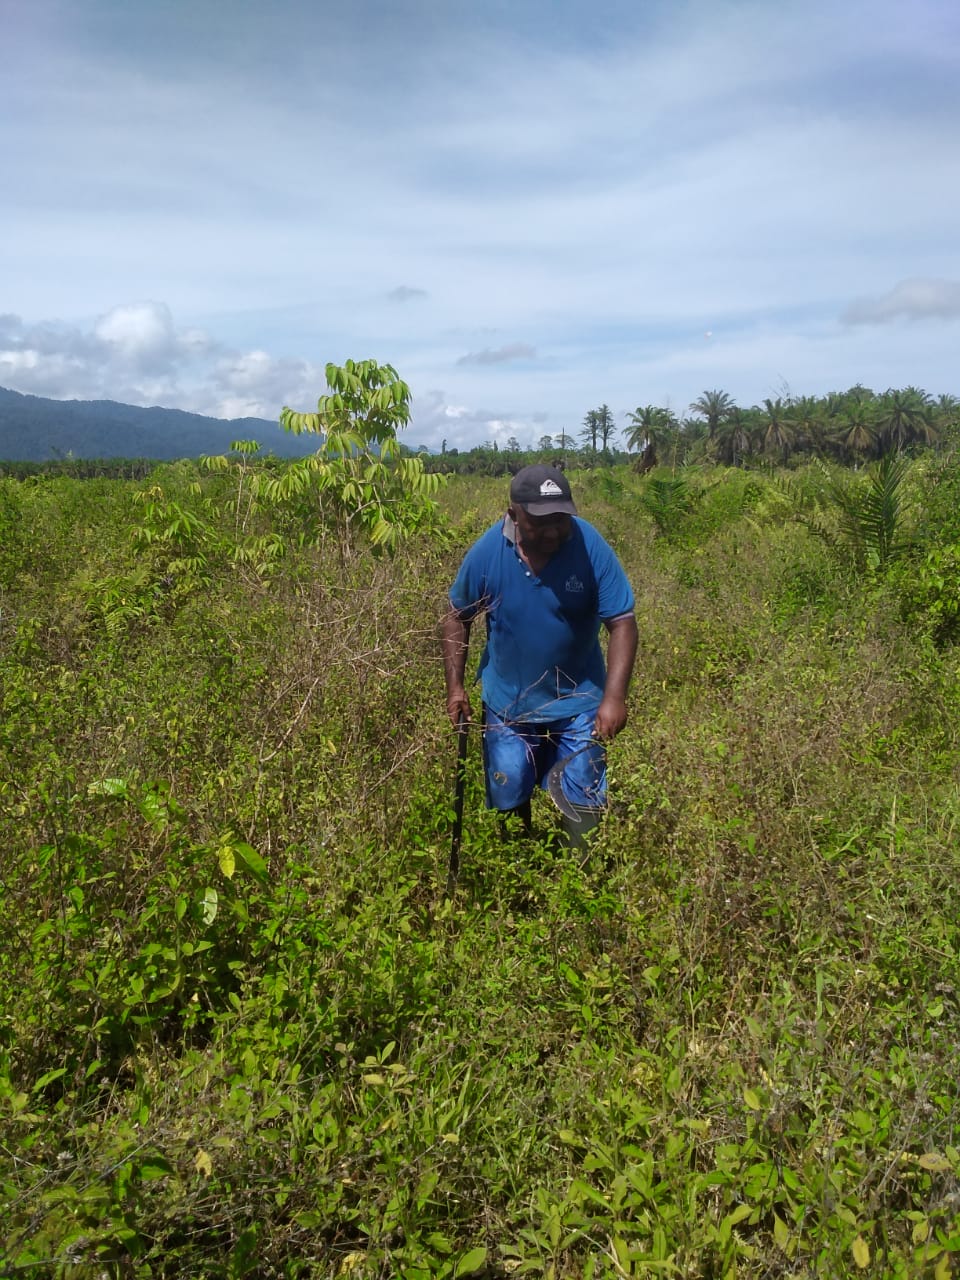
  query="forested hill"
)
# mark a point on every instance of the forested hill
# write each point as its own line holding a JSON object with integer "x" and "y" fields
{"x": 34, "y": 429}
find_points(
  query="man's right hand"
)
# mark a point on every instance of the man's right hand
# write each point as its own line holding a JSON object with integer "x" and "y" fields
{"x": 456, "y": 637}
{"x": 458, "y": 704}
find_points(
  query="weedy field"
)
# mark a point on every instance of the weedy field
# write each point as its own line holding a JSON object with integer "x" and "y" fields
{"x": 242, "y": 1031}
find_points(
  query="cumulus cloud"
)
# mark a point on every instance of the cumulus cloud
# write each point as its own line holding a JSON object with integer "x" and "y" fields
{"x": 254, "y": 384}
{"x": 915, "y": 299}
{"x": 135, "y": 353}
{"x": 499, "y": 355}
{"x": 143, "y": 329}
{"x": 438, "y": 421}
{"x": 404, "y": 293}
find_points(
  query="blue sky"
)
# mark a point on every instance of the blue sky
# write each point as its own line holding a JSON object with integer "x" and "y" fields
{"x": 529, "y": 209}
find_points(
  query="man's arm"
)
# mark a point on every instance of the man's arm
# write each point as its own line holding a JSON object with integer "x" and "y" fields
{"x": 621, "y": 651}
{"x": 455, "y": 634}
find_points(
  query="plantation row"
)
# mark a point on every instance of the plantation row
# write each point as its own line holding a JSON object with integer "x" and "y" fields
{"x": 847, "y": 427}
{"x": 244, "y": 1033}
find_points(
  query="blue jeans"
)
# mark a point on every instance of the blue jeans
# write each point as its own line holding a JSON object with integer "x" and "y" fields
{"x": 516, "y": 757}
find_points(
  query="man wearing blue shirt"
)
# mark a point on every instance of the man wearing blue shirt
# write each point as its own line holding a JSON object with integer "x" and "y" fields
{"x": 545, "y": 581}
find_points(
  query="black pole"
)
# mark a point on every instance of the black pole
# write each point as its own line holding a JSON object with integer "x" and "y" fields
{"x": 454, "y": 869}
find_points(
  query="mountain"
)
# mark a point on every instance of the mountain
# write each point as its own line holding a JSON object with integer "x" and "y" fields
{"x": 34, "y": 429}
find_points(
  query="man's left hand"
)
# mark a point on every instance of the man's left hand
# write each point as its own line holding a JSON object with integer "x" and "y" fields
{"x": 611, "y": 717}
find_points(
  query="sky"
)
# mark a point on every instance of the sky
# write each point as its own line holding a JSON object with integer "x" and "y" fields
{"x": 529, "y": 209}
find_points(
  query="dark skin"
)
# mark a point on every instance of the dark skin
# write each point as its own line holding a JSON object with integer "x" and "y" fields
{"x": 539, "y": 538}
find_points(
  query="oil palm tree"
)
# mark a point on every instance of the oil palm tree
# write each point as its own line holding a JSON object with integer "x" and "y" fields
{"x": 869, "y": 511}
{"x": 714, "y": 407}
{"x": 649, "y": 424}
{"x": 856, "y": 430}
{"x": 778, "y": 432}
{"x": 734, "y": 439}
{"x": 807, "y": 414}
{"x": 905, "y": 416}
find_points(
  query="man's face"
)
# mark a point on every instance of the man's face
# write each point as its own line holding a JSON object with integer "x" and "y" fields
{"x": 541, "y": 535}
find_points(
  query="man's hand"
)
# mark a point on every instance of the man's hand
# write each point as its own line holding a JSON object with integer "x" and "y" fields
{"x": 458, "y": 704}
{"x": 456, "y": 638}
{"x": 621, "y": 651}
{"x": 611, "y": 717}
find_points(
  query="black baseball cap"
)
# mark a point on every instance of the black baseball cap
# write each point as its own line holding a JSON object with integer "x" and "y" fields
{"x": 542, "y": 491}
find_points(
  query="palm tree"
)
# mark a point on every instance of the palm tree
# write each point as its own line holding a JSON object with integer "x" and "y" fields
{"x": 605, "y": 425}
{"x": 597, "y": 428}
{"x": 591, "y": 428}
{"x": 869, "y": 513}
{"x": 650, "y": 424}
{"x": 856, "y": 429}
{"x": 733, "y": 441}
{"x": 778, "y": 433}
{"x": 904, "y": 417}
{"x": 947, "y": 415}
{"x": 643, "y": 424}
{"x": 715, "y": 407}
{"x": 807, "y": 415}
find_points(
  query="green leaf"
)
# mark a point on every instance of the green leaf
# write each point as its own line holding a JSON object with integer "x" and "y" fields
{"x": 739, "y": 1213}
{"x": 471, "y": 1262}
{"x": 753, "y": 1099}
{"x": 209, "y": 905}
{"x": 154, "y": 1167}
{"x": 934, "y": 1162}
{"x": 251, "y": 860}
{"x": 861, "y": 1252}
{"x": 108, "y": 787}
{"x": 781, "y": 1232}
{"x": 226, "y": 860}
{"x": 49, "y": 1078}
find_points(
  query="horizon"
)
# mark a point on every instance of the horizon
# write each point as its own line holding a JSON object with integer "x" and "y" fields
{"x": 444, "y": 445}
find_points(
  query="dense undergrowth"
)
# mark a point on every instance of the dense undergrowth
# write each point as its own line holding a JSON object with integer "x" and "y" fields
{"x": 243, "y": 1033}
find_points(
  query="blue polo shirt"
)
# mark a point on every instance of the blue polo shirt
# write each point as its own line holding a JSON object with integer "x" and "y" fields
{"x": 542, "y": 659}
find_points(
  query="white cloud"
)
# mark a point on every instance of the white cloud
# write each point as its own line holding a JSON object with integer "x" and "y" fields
{"x": 914, "y": 299}
{"x": 609, "y": 181}
{"x": 136, "y": 354}
{"x": 143, "y": 329}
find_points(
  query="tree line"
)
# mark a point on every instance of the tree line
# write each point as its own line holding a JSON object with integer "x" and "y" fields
{"x": 849, "y": 427}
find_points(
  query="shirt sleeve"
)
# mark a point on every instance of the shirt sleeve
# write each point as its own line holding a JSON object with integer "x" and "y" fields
{"x": 469, "y": 594}
{"x": 614, "y": 593}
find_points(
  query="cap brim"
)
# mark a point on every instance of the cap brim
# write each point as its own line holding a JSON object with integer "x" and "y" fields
{"x": 549, "y": 507}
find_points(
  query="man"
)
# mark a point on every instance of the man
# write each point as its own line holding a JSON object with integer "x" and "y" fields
{"x": 545, "y": 580}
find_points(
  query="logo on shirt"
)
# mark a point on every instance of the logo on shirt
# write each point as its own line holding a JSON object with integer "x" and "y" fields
{"x": 550, "y": 489}
{"x": 573, "y": 583}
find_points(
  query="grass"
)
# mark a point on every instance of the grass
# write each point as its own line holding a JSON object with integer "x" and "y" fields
{"x": 244, "y": 1034}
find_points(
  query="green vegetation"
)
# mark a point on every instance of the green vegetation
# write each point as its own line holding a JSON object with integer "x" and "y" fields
{"x": 850, "y": 428}
{"x": 242, "y": 1031}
